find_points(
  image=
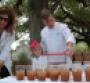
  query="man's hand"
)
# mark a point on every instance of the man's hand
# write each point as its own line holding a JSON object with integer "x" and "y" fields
{"x": 69, "y": 49}
{"x": 44, "y": 52}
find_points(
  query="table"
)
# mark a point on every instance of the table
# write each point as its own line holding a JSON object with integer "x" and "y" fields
{"x": 12, "y": 79}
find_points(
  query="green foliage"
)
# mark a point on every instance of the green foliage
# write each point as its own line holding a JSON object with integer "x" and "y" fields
{"x": 70, "y": 4}
{"x": 23, "y": 27}
{"x": 24, "y": 7}
{"x": 77, "y": 9}
{"x": 22, "y": 57}
{"x": 9, "y": 2}
{"x": 81, "y": 46}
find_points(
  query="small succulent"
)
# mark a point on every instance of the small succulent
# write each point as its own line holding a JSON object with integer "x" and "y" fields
{"x": 22, "y": 57}
{"x": 81, "y": 46}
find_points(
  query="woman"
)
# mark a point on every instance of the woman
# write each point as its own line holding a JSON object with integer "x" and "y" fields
{"x": 7, "y": 20}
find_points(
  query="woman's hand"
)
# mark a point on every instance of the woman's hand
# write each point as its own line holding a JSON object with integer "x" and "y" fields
{"x": 1, "y": 64}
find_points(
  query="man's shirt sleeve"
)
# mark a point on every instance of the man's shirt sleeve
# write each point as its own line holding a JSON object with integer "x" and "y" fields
{"x": 68, "y": 35}
{"x": 43, "y": 43}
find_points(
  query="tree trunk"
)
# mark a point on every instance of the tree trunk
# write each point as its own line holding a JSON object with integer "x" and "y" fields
{"x": 35, "y": 24}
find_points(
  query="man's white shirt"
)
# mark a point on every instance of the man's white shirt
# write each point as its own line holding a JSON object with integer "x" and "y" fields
{"x": 55, "y": 40}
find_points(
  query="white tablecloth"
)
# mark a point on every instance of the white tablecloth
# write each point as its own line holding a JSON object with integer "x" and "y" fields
{"x": 12, "y": 79}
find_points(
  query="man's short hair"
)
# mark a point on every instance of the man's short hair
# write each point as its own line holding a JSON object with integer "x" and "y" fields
{"x": 45, "y": 13}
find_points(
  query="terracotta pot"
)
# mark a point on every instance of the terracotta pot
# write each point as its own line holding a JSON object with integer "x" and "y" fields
{"x": 78, "y": 56}
{"x": 86, "y": 56}
{"x": 14, "y": 63}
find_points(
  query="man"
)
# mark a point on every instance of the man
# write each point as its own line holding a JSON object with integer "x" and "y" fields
{"x": 56, "y": 38}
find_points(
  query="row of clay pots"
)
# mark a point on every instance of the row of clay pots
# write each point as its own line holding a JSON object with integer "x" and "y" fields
{"x": 54, "y": 75}
{"x": 81, "y": 56}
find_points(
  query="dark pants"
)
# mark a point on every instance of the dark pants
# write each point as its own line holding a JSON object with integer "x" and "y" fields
{"x": 4, "y": 72}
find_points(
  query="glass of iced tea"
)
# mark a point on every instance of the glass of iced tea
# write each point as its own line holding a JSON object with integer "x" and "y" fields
{"x": 87, "y": 70}
{"x": 64, "y": 74}
{"x": 53, "y": 72}
{"x": 88, "y": 73}
{"x": 77, "y": 72}
{"x": 20, "y": 72}
{"x": 41, "y": 74}
{"x": 31, "y": 73}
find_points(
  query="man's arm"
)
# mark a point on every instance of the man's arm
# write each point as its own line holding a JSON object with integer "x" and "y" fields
{"x": 70, "y": 40}
{"x": 69, "y": 49}
{"x": 43, "y": 44}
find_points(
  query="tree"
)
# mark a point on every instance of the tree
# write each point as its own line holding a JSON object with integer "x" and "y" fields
{"x": 35, "y": 24}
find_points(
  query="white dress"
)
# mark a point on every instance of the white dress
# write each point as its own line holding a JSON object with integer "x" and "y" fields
{"x": 55, "y": 39}
{"x": 39, "y": 63}
{"x": 5, "y": 42}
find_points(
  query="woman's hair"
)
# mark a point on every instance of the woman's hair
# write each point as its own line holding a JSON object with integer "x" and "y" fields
{"x": 9, "y": 11}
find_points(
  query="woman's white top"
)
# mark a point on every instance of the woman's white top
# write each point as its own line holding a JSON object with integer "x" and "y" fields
{"x": 5, "y": 42}
{"x": 55, "y": 39}
{"x": 40, "y": 62}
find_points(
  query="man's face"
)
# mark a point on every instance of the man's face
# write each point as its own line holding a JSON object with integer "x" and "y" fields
{"x": 3, "y": 21}
{"x": 50, "y": 21}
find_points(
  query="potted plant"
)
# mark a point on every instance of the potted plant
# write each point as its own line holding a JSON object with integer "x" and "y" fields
{"x": 79, "y": 51}
{"x": 22, "y": 59}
